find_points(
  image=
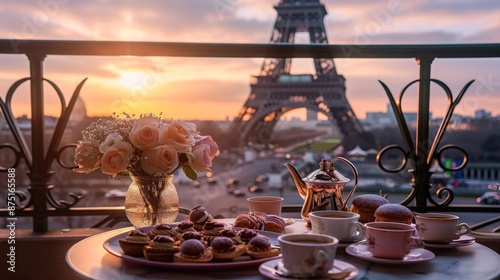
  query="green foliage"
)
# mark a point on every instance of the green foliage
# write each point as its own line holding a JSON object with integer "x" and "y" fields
{"x": 328, "y": 144}
{"x": 190, "y": 173}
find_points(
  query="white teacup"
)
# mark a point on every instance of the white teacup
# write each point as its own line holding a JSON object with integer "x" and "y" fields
{"x": 340, "y": 224}
{"x": 439, "y": 227}
{"x": 265, "y": 204}
{"x": 306, "y": 255}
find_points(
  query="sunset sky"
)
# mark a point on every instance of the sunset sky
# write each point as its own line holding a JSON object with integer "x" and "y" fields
{"x": 213, "y": 89}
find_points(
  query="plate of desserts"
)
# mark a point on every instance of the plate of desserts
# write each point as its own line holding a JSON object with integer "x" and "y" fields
{"x": 193, "y": 249}
{"x": 201, "y": 243}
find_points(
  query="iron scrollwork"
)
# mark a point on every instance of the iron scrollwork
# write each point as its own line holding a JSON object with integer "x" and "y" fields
{"x": 423, "y": 161}
{"x": 22, "y": 150}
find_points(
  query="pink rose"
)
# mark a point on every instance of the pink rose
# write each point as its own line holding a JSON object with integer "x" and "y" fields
{"x": 144, "y": 134}
{"x": 116, "y": 159}
{"x": 199, "y": 159}
{"x": 214, "y": 148}
{"x": 179, "y": 134}
{"x": 87, "y": 158}
{"x": 163, "y": 159}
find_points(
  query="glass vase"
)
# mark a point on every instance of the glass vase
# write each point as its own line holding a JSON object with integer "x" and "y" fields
{"x": 151, "y": 200}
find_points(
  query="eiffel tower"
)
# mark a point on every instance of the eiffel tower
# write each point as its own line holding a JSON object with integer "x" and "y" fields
{"x": 275, "y": 91}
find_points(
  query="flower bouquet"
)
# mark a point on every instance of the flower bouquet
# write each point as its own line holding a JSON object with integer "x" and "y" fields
{"x": 148, "y": 145}
{"x": 149, "y": 149}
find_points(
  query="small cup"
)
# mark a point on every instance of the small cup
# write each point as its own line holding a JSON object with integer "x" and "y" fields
{"x": 340, "y": 224}
{"x": 439, "y": 228}
{"x": 267, "y": 204}
{"x": 391, "y": 240}
{"x": 306, "y": 255}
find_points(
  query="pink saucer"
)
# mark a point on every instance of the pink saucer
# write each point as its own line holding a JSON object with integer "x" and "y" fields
{"x": 268, "y": 269}
{"x": 360, "y": 250}
{"x": 464, "y": 240}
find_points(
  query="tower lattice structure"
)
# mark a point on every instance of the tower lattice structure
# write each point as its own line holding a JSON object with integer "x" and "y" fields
{"x": 275, "y": 91}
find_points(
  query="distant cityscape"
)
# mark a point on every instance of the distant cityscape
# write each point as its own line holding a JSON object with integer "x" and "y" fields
{"x": 373, "y": 120}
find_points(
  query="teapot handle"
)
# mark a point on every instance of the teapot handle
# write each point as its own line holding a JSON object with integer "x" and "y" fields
{"x": 355, "y": 173}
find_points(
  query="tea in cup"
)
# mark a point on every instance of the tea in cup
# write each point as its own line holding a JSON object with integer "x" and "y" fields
{"x": 266, "y": 204}
{"x": 340, "y": 224}
{"x": 391, "y": 240}
{"x": 306, "y": 255}
{"x": 439, "y": 228}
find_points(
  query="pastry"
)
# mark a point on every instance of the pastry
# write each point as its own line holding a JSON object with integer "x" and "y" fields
{"x": 274, "y": 223}
{"x": 223, "y": 248}
{"x": 193, "y": 251}
{"x": 393, "y": 213}
{"x": 232, "y": 234}
{"x": 365, "y": 205}
{"x": 253, "y": 220}
{"x": 163, "y": 229}
{"x": 190, "y": 235}
{"x": 133, "y": 244}
{"x": 211, "y": 230}
{"x": 259, "y": 247}
{"x": 199, "y": 216}
{"x": 160, "y": 249}
{"x": 247, "y": 234}
{"x": 184, "y": 226}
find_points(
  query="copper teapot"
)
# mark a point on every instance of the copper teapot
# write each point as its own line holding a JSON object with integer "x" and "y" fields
{"x": 322, "y": 189}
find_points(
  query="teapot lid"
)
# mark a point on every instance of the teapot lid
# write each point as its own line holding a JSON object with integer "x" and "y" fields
{"x": 326, "y": 175}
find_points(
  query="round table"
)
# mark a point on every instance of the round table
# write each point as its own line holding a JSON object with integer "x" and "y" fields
{"x": 89, "y": 260}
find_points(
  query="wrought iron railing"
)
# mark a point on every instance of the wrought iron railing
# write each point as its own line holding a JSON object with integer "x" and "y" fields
{"x": 41, "y": 204}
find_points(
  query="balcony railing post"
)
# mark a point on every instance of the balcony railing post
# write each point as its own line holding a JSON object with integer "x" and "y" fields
{"x": 421, "y": 174}
{"x": 38, "y": 177}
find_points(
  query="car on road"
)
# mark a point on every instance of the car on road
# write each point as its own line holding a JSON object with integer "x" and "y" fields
{"x": 115, "y": 194}
{"x": 489, "y": 198}
{"x": 238, "y": 193}
{"x": 261, "y": 178}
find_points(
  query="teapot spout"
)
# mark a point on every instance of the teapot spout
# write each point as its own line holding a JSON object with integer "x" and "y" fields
{"x": 297, "y": 179}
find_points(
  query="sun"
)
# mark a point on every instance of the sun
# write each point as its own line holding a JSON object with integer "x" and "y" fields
{"x": 133, "y": 79}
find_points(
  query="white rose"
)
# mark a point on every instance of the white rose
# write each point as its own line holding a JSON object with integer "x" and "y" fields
{"x": 111, "y": 141}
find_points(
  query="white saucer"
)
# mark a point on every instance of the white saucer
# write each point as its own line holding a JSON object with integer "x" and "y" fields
{"x": 360, "y": 250}
{"x": 343, "y": 244}
{"x": 268, "y": 269}
{"x": 464, "y": 240}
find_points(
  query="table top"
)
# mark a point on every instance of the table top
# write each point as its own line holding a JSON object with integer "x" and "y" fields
{"x": 89, "y": 260}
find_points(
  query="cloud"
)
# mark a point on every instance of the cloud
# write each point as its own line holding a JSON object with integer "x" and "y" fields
{"x": 244, "y": 21}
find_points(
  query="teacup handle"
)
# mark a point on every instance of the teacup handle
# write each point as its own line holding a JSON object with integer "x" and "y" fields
{"x": 462, "y": 229}
{"x": 360, "y": 229}
{"x": 415, "y": 243}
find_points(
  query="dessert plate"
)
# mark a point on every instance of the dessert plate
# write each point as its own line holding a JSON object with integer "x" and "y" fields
{"x": 464, "y": 240}
{"x": 113, "y": 247}
{"x": 360, "y": 250}
{"x": 289, "y": 221}
{"x": 269, "y": 270}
